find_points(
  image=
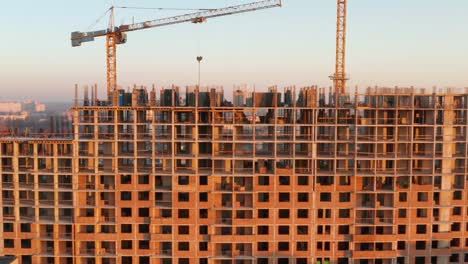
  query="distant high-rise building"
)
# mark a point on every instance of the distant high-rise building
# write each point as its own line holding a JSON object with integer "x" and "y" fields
{"x": 40, "y": 107}
{"x": 10, "y": 107}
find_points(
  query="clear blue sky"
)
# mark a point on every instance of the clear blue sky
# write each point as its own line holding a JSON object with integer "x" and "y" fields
{"x": 399, "y": 42}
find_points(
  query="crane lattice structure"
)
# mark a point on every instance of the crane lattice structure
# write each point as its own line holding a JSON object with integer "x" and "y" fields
{"x": 339, "y": 77}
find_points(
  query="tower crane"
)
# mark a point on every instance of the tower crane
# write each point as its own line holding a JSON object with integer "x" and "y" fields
{"x": 339, "y": 77}
{"x": 117, "y": 35}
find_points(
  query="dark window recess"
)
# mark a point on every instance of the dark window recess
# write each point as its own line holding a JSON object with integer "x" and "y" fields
{"x": 302, "y": 246}
{"x": 283, "y": 213}
{"x": 127, "y": 259}
{"x": 143, "y": 179}
{"x": 303, "y": 197}
{"x": 301, "y": 260}
{"x": 203, "y": 197}
{"x": 302, "y": 230}
{"x": 420, "y": 245}
{"x": 183, "y": 246}
{"x": 343, "y": 230}
{"x": 25, "y": 227}
{"x": 263, "y": 197}
{"x": 184, "y": 230}
{"x": 283, "y": 197}
{"x": 203, "y": 246}
{"x": 343, "y": 245}
{"x": 283, "y": 246}
{"x": 325, "y": 197}
{"x": 283, "y": 230}
{"x": 401, "y": 245}
{"x": 421, "y": 229}
{"x": 9, "y": 243}
{"x": 262, "y": 230}
{"x": 345, "y": 197}
{"x": 284, "y": 180}
{"x": 184, "y": 261}
{"x": 143, "y": 244}
{"x": 203, "y": 180}
{"x": 183, "y": 196}
{"x": 126, "y": 196}
{"x": 144, "y": 260}
{"x": 143, "y": 228}
{"x": 143, "y": 196}
{"x": 303, "y": 180}
{"x": 302, "y": 213}
{"x": 166, "y": 229}
{"x": 9, "y": 227}
{"x": 203, "y": 213}
{"x": 402, "y": 213}
{"x": 183, "y": 213}
{"x": 401, "y": 229}
{"x": 126, "y": 244}
{"x": 420, "y": 260}
{"x": 263, "y": 213}
{"x": 403, "y": 197}
{"x": 126, "y": 179}
{"x": 203, "y": 230}
{"x": 126, "y": 212}
{"x": 344, "y": 213}
{"x": 126, "y": 228}
{"x": 183, "y": 180}
{"x": 25, "y": 243}
{"x": 262, "y": 246}
{"x": 166, "y": 213}
{"x": 143, "y": 212}
{"x": 263, "y": 180}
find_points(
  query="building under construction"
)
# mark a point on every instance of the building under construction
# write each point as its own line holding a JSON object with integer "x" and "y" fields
{"x": 294, "y": 176}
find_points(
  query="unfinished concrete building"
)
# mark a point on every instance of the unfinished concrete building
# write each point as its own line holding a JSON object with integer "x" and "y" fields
{"x": 290, "y": 177}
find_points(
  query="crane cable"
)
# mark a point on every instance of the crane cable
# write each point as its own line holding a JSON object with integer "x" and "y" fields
{"x": 164, "y": 8}
{"x": 99, "y": 19}
{"x": 199, "y": 52}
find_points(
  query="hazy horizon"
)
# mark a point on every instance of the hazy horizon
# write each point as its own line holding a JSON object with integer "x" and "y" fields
{"x": 398, "y": 43}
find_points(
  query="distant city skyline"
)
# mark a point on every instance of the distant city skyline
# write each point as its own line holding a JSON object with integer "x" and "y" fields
{"x": 420, "y": 43}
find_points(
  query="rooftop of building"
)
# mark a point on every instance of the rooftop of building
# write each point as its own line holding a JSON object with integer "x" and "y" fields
{"x": 209, "y": 97}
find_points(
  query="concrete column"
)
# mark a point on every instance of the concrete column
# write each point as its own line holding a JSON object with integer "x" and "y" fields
{"x": 447, "y": 173}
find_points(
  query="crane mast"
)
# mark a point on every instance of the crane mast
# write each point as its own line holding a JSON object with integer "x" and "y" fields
{"x": 117, "y": 35}
{"x": 339, "y": 78}
{"x": 111, "y": 49}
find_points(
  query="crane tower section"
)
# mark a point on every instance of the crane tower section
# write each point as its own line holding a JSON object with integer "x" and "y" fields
{"x": 339, "y": 78}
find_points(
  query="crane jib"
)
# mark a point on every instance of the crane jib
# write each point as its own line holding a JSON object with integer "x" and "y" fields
{"x": 79, "y": 37}
{"x": 201, "y": 16}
